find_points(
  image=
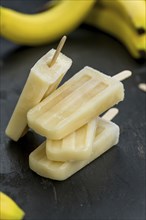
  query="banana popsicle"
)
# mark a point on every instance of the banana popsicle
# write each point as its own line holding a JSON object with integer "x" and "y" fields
{"x": 75, "y": 146}
{"x": 86, "y": 95}
{"x": 41, "y": 81}
{"x": 107, "y": 135}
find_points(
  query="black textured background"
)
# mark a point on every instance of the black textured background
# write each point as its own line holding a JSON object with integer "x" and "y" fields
{"x": 110, "y": 188}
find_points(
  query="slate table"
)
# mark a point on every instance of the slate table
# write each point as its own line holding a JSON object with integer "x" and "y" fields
{"x": 110, "y": 188}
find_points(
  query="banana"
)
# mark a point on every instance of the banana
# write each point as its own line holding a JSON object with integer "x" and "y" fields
{"x": 134, "y": 12}
{"x": 111, "y": 22}
{"x": 46, "y": 26}
{"x": 9, "y": 210}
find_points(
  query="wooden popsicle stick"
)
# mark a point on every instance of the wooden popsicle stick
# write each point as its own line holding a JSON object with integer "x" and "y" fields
{"x": 58, "y": 50}
{"x": 142, "y": 86}
{"x": 110, "y": 114}
{"x": 122, "y": 75}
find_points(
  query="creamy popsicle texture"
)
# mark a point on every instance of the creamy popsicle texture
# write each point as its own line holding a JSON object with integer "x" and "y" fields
{"x": 41, "y": 81}
{"x": 76, "y": 146}
{"x": 107, "y": 135}
{"x": 85, "y": 96}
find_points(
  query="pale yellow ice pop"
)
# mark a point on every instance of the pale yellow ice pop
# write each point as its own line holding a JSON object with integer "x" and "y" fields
{"x": 107, "y": 135}
{"x": 42, "y": 80}
{"x": 76, "y": 146}
{"x": 85, "y": 96}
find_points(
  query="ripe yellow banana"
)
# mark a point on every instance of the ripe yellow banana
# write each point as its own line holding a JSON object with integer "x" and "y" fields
{"x": 134, "y": 12}
{"x": 110, "y": 21}
{"x": 9, "y": 210}
{"x": 46, "y": 26}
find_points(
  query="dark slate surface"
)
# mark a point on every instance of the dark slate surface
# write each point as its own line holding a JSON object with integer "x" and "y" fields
{"x": 110, "y": 188}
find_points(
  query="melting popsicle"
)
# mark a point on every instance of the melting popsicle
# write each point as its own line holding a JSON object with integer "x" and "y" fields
{"x": 43, "y": 79}
{"x": 107, "y": 135}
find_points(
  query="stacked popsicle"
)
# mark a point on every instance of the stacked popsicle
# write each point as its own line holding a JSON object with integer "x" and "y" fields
{"x": 42, "y": 81}
{"x": 68, "y": 116}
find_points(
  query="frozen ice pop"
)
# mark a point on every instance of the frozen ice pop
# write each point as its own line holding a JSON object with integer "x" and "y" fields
{"x": 85, "y": 96}
{"x": 107, "y": 135}
{"x": 42, "y": 80}
{"x": 75, "y": 146}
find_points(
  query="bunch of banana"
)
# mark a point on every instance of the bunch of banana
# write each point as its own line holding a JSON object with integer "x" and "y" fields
{"x": 9, "y": 210}
{"x": 123, "y": 19}
{"x": 46, "y": 26}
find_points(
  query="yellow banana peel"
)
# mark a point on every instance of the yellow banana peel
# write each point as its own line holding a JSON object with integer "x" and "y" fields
{"x": 46, "y": 26}
{"x": 9, "y": 210}
{"x": 110, "y": 21}
{"x": 133, "y": 12}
